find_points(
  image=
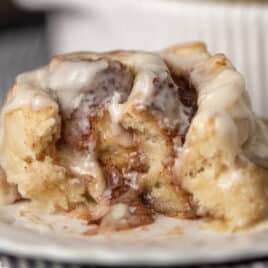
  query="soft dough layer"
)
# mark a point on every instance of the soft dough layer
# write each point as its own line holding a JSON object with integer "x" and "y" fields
{"x": 223, "y": 160}
{"x": 116, "y": 137}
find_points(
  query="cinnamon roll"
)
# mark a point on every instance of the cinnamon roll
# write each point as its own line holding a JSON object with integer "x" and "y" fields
{"x": 115, "y": 138}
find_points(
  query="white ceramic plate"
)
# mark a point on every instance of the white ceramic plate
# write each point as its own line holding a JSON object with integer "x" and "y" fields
{"x": 168, "y": 241}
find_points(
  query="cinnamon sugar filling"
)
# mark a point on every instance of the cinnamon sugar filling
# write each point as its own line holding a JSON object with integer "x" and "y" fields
{"x": 124, "y": 167}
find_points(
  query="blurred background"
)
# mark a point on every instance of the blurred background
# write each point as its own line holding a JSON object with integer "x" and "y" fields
{"x": 31, "y": 31}
{"x": 23, "y": 42}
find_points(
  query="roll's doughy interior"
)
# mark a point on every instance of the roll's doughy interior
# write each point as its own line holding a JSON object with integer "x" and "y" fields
{"x": 116, "y": 137}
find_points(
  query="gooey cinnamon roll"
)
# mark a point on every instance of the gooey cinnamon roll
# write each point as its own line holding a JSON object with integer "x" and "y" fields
{"x": 115, "y": 138}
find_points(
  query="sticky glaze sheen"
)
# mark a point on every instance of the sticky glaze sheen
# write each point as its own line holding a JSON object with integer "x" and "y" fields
{"x": 76, "y": 85}
{"x": 221, "y": 93}
{"x": 222, "y": 98}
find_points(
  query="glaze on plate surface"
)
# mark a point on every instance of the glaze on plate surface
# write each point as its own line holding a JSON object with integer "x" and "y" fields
{"x": 167, "y": 241}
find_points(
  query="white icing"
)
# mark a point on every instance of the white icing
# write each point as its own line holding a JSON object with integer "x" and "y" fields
{"x": 71, "y": 79}
{"x": 115, "y": 108}
{"x": 85, "y": 164}
{"x": 27, "y": 95}
{"x": 116, "y": 111}
{"x": 151, "y": 73}
{"x": 68, "y": 80}
{"x": 223, "y": 98}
